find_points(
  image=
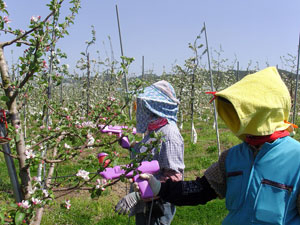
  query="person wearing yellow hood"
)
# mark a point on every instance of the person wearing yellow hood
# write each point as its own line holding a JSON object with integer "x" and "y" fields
{"x": 259, "y": 178}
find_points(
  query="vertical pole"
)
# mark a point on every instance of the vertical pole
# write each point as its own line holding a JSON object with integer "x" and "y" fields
{"x": 122, "y": 54}
{"x": 237, "y": 70}
{"x": 25, "y": 119}
{"x": 43, "y": 166}
{"x": 61, "y": 89}
{"x": 212, "y": 88}
{"x": 11, "y": 166}
{"x": 296, "y": 88}
{"x": 88, "y": 85}
{"x": 193, "y": 131}
{"x": 143, "y": 69}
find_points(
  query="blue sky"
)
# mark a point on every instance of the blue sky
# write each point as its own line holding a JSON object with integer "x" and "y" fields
{"x": 160, "y": 30}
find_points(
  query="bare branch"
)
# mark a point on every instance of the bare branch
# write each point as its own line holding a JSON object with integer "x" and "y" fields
{"x": 13, "y": 156}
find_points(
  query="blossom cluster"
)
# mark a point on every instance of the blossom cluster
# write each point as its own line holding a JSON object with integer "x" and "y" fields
{"x": 83, "y": 174}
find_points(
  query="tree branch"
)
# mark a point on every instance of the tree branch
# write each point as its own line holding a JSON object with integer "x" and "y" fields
{"x": 7, "y": 43}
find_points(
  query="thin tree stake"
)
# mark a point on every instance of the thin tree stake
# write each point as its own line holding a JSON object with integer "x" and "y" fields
{"x": 296, "y": 88}
{"x": 122, "y": 54}
{"x": 212, "y": 89}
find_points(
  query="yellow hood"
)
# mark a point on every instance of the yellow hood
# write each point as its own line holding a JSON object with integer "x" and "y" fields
{"x": 257, "y": 105}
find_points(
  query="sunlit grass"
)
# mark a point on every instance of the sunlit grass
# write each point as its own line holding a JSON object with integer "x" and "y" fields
{"x": 85, "y": 210}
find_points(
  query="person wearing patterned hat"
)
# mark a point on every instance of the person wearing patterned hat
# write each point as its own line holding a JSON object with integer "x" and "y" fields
{"x": 157, "y": 109}
{"x": 259, "y": 178}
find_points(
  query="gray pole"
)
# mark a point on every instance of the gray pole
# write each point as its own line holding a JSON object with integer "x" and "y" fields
{"x": 212, "y": 89}
{"x": 11, "y": 166}
{"x": 296, "y": 88}
{"x": 122, "y": 54}
{"x": 237, "y": 70}
{"x": 88, "y": 85}
{"x": 42, "y": 167}
{"x": 61, "y": 89}
{"x": 143, "y": 73}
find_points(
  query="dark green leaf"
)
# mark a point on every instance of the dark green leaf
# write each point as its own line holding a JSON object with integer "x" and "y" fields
{"x": 5, "y": 98}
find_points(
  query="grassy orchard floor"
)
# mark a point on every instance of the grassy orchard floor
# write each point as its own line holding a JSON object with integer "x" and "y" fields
{"x": 86, "y": 211}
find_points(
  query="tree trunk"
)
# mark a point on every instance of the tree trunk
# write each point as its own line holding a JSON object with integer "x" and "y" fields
{"x": 15, "y": 120}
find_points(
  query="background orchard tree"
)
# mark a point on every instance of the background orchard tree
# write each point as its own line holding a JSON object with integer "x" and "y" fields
{"x": 68, "y": 131}
{"x": 38, "y": 41}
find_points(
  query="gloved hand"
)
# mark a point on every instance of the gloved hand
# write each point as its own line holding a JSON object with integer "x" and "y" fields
{"x": 154, "y": 183}
{"x": 127, "y": 202}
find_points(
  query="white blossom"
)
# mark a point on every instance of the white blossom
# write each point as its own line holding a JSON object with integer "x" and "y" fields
{"x": 46, "y": 193}
{"x": 24, "y": 204}
{"x": 100, "y": 183}
{"x": 91, "y": 140}
{"x": 88, "y": 124}
{"x": 29, "y": 154}
{"x": 32, "y": 191}
{"x": 67, "y": 146}
{"x": 68, "y": 204}
{"x": 37, "y": 179}
{"x": 35, "y": 18}
{"x": 36, "y": 201}
{"x": 83, "y": 174}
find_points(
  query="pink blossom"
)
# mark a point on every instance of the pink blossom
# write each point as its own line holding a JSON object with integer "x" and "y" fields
{"x": 6, "y": 19}
{"x": 36, "y": 201}
{"x": 37, "y": 179}
{"x": 24, "y": 204}
{"x": 100, "y": 183}
{"x": 83, "y": 174}
{"x": 29, "y": 154}
{"x": 17, "y": 128}
{"x": 78, "y": 126}
{"x": 42, "y": 127}
{"x": 49, "y": 128}
{"x": 46, "y": 193}
{"x": 45, "y": 64}
{"x": 68, "y": 204}
{"x": 35, "y": 18}
{"x": 112, "y": 99}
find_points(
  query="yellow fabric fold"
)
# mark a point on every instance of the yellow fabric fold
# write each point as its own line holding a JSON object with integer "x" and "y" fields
{"x": 258, "y": 104}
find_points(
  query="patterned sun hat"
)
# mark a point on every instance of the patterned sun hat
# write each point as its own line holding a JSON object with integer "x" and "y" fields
{"x": 159, "y": 99}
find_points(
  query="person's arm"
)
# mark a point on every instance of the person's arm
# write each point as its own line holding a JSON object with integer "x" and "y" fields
{"x": 193, "y": 192}
{"x": 199, "y": 191}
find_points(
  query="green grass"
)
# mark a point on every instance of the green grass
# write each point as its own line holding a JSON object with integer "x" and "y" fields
{"x": 87, "y": 211}
{"x": 210, "y": 214}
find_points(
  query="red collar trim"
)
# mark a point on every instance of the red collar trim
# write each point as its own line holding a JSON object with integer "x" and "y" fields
{"x": 259, "y": 140}
{"x": 157, "y": 124}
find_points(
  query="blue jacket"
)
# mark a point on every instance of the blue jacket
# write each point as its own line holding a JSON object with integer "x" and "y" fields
{"x": 264, "y": 189}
